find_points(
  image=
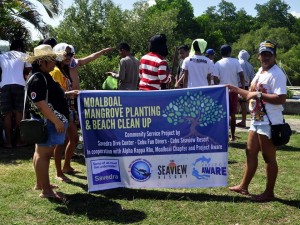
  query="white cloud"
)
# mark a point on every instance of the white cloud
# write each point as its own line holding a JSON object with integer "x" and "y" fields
{"x": 151, "y": 2}
{"x": 295, "y": 14}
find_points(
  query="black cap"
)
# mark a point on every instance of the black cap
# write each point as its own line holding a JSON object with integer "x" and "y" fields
{"x": 267, "y": 46}
{"x": 225, "y": 49}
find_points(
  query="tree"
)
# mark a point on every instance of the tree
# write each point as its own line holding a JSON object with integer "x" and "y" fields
{"x": 186, "y": 24}
{"x": 275, "y": 14}
{"x": 287, "y": 47}
{"x": 14, "y": 13}
{"x": 223, "y": 24}
{"x": 85, "y": 25}
{"x": 195, "y": 109}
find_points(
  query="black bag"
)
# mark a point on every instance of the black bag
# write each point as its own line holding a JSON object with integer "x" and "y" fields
{"x": 33, "y": 131}
{"x": 281, "y": 134}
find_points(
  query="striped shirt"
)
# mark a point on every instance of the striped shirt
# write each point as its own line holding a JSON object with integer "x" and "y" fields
{"x": 153, "y": 72}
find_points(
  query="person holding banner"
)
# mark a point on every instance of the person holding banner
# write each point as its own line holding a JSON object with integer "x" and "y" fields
{"x": 153, "y": 66}
{"x": 268, "y": 88}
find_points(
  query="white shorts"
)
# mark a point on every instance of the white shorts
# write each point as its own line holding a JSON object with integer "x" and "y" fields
{"x": 261, "y": 129}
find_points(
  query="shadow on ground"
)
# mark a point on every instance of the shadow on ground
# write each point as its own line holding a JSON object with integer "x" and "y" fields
{"x": 132, "y": 194}
{"x": 99, "y": 208}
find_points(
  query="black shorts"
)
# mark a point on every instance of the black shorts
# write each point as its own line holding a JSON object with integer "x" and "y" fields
{"x": 12, "y": 98}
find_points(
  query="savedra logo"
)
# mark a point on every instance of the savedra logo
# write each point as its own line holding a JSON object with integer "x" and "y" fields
{"x": 203, "y": 168}
{"x": 172, "y": 171}
{"x": 140, "y": 170}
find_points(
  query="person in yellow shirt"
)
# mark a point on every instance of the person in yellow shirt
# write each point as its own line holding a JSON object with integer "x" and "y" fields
{"x": 62, "y": 75}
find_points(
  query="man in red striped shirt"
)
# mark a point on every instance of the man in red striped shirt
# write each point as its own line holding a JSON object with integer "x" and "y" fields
{"x": 153, "y": 66}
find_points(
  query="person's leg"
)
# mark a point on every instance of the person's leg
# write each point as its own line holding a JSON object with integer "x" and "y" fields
{"x": 244, "y": 112}
{"x": 73, "y": 141}
{"x": 269, "y": 155}
{"x": 6, "y": 100}
{"x": 18, "y": 118}
{"x": 41, "y": 161}
{"x": 232, "y": 126}
{"x": 233, "y": 101}
{"x": 58, "y": 150}
{"x": 7, "y": 123}
{"x": 252, "y": 151}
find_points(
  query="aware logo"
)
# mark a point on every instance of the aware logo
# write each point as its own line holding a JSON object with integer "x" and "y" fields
{"x": 203, "y": 168}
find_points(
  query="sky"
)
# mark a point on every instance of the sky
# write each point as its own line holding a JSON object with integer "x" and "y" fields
{"x": 199, "y": 7}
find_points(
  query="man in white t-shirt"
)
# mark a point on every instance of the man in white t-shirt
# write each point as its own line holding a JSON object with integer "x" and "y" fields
{"x": 14, "y": 71}
{"x": 197, "y": 68}
{"x": 228, "y": 70}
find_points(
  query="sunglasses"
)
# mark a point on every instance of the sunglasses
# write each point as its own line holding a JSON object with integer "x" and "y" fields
{"x": 70, "y": 54}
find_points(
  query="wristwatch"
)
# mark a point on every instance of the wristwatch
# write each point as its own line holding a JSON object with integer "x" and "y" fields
{"x": 258, "y": 94}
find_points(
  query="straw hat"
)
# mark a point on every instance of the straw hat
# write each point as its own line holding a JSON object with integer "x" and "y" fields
{"x": 44, "y": 52}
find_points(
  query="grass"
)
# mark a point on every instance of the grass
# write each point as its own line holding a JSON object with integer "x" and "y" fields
{"x": 20, "y": 204}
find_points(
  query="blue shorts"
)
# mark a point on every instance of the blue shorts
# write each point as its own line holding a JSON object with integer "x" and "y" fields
{"x": 54, "y": 138}
{"x": 261, "y": 129}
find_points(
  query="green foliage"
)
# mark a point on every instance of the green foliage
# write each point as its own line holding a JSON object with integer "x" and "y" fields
{"x": 194, "y": 107}
{"x": 91, "y": 25}
{"x": 13, "y": 13}
{"x": 93, "y": 74}
{"x": 186, "y": 25}
{"x": 289, "y": 93}
{"x": 290, "y": 63}
{"x": 288, "y": 49}
{"x": 274, "y": 14}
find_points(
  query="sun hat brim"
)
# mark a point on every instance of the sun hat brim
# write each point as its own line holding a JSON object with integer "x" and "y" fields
{"x": 47, "y": 57}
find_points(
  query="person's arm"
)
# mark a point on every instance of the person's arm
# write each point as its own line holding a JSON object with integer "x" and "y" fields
{"x": 209, "y": 79}
{"x": 121, "y": 74}
{"x": 26, "y": 72}
{"x": 75, "y": 78}
{"x": 49, "y": 114}
{"x": 216, "y": 80}
{"x": 270, "y": 98}
{"x": 185, "y": 78}
{"x": 93, "y": 56}
{"x": 180, "y": 80}
{"x": 242, "y": 79}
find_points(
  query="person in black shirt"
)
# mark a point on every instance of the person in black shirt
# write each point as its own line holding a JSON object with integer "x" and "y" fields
{"x": 48, "y": 103}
